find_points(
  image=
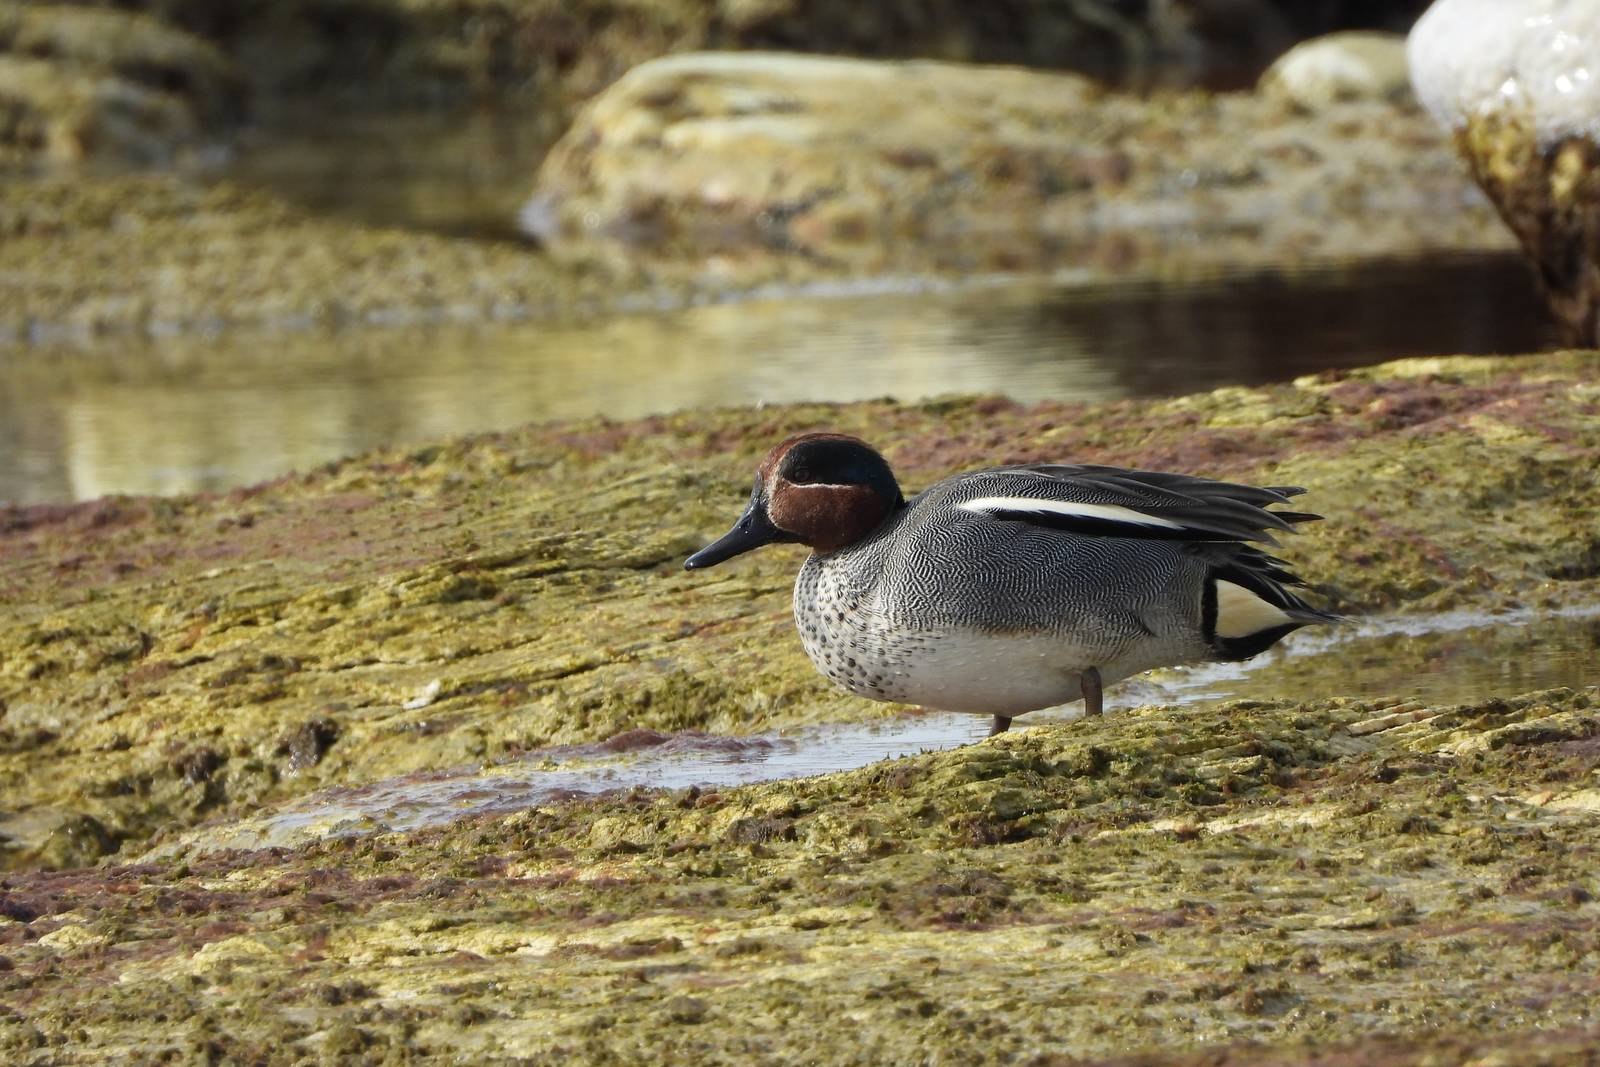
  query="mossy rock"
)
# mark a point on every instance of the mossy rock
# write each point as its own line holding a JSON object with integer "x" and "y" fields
{"x": 177, "y": 660}
{"x": 79, "y": 83}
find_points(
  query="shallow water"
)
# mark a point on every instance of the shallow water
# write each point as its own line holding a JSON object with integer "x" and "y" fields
{"x": 448, "y": 171}
{"x": 183, "y": 414}
{"x": 1431, "y": 660}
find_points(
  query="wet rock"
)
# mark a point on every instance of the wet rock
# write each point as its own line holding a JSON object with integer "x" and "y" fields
{"x": 734, "y": 149}
{"x": 197, "y": 765}
{"x": 1450, "y": 484}
{"x": 336, "y": 993}
{"x": 1285, "y": 916}
{"x": 739, "y": 166}
{"x": 1519, "y": 85}
{"x": 1354, "y": 65}
{"x": 52, "y": 838}
{"x": 309, "y": 742}
{"x": 758, "y": 830}
{"x": 684, "y": 1009}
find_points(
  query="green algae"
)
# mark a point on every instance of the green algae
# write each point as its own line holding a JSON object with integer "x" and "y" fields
{"x": 1175, "y": 882}
{"x": 173, "y": 661}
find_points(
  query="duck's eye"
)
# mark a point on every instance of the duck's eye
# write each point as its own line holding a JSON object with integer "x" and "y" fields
{"x": 801, "y": 475}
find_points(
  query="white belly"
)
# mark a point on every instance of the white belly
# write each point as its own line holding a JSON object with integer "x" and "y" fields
{"x": 990, "y": 674}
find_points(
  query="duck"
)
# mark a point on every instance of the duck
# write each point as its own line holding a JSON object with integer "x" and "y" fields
{"x": 1011, "y": 589}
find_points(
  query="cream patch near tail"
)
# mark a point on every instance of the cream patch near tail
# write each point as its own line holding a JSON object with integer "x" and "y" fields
{"x": 1241, "y": 613}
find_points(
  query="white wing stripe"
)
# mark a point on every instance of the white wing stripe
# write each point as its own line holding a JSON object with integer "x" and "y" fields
{"x": 1069, "y": 509}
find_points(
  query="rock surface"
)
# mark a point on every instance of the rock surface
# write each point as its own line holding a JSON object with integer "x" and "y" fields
{"x": 78, "y": 83}
{"x": 1520, "y": 87}
{"x": 1354, "y": 65}
{"x": 1256, "y": 880}
{"x": 177, "y": 660}
{"x": 1538, "y": 60}
{"x": 749, "y": 165}
{"x": 1550, "y": 198}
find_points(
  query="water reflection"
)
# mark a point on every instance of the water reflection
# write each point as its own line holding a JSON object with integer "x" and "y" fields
{"x": 462, "y": 173}
{"x": 194, "y": 413}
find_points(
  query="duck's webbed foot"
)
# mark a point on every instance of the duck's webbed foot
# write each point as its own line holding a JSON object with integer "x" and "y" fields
{"x": 1093, "y": 692}
{"x": 1002, "y": 723}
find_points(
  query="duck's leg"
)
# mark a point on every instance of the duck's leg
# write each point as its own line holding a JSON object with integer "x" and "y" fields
{"x": 1002, "y": 723}
{"x": 1093, "y": 692}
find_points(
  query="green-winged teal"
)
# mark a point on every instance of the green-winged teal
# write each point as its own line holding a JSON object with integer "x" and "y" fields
{"x": 1009, "y": 589}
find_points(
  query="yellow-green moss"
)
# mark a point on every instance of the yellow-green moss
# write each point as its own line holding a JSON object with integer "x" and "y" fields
{"x": 468, "y": 601}
{"x": 1163, "y": 881}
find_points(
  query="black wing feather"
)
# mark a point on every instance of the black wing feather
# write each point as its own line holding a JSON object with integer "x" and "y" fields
{"x": 1202, "y": 509}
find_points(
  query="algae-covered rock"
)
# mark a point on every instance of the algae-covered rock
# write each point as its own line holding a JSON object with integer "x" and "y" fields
{"x": 1550, "y": 198}
{"x": 739, "y": 166}
{"x": 724, "y": 150}
{"x": 1257, "y": 882}
{"x": 83, "y": 256}
{"x": 165, "y": 662}
{"x": 79, "y": 83}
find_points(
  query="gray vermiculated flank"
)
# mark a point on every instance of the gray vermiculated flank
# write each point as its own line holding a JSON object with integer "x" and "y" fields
{"x": 940, "y": 599}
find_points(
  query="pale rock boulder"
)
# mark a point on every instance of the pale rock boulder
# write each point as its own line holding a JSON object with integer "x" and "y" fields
{"x": 1518, "y": 85}
{"x": 741, "y": 168}
{"x": 1538, "y": 60}
{"x": 1338, "y": 67}
{"x": 834, "y": 156}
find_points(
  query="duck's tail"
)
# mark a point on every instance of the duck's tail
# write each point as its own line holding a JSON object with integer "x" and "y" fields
{"x": 1247, "y": 605}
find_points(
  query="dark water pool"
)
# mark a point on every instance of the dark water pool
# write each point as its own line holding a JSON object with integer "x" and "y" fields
{"x": 181, "y": 414}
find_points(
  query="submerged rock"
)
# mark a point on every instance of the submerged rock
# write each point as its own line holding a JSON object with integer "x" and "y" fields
{"x": 1519, "y": 85}
{"x": 740, "y": 166}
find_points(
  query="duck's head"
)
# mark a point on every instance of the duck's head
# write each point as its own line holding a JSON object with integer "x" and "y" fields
{"x": 824, "y": 490}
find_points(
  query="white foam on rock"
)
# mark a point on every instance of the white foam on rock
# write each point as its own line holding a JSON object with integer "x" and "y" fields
{"x": 1537, "y": 57}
